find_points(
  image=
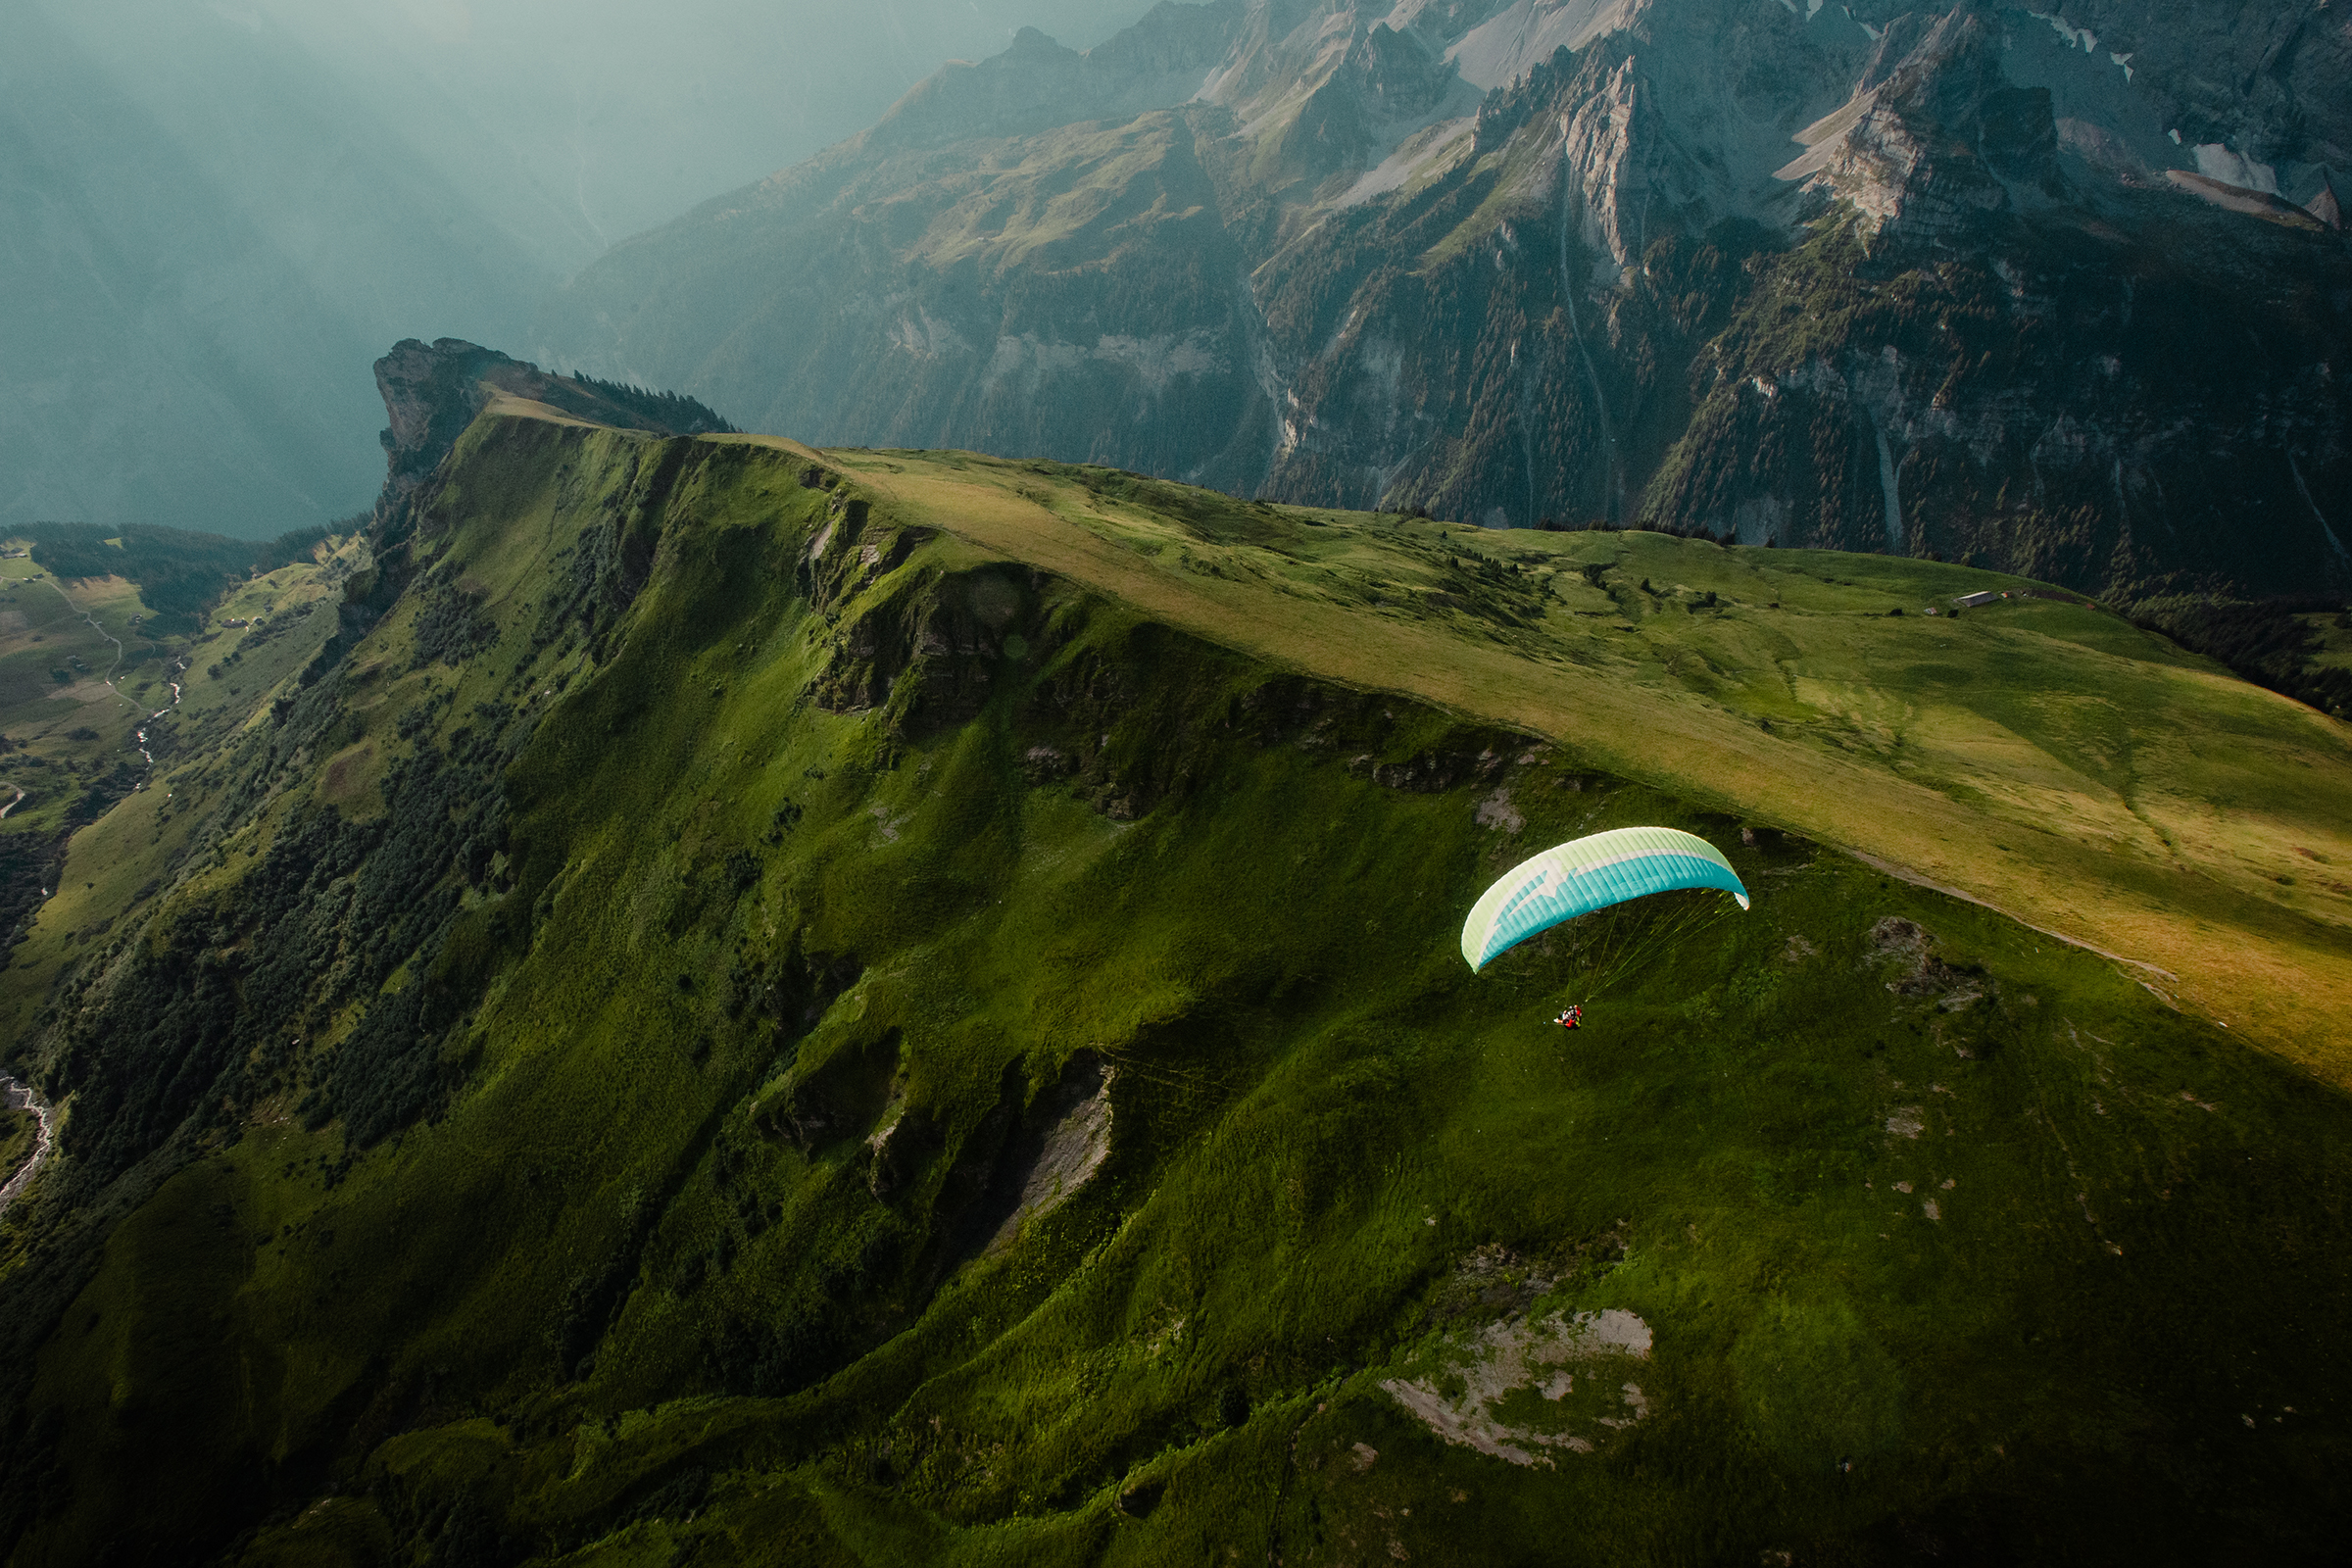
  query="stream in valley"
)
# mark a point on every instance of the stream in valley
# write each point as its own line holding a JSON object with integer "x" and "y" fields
{"x": 19, "y": 1098}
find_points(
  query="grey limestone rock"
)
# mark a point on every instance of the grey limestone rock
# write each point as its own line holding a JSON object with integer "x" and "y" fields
{"x": 1590, "y": 260}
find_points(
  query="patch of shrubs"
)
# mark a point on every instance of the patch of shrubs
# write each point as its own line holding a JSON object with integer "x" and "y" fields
{"x": 449, "y": 628}
{"x": 208, "y": 1014}
{"x": 2267, "y": 641}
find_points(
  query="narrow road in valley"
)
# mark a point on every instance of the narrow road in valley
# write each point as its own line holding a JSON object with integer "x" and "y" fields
{"x": 109, "y": 676}
{"x": 19, "y": 1098}
{"x": 13, "y": 805}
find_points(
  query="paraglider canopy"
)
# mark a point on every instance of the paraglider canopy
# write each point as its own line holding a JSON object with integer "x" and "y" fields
{"x": 1591, "y": 873}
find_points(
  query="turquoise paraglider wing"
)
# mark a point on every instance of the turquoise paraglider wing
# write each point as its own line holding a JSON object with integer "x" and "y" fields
{"x": 1591, "y": 873}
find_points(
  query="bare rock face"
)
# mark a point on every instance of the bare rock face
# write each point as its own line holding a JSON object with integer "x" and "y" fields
{"x": 932, "y": 662}
{"x": 1037, "y": 84}
{"x": 2324, "y": 206}
{"x": 1069, "y": 1139}
{"x": 1612, "y": 142}
{"x": 2268, "y": 79}
{"x": 2062, "y": 292}
{"x": 1908, "y": 952}
{"x": 1381, "y": 80}
{"x": 1938, "y": 143}
{"x": 431, "y": 392}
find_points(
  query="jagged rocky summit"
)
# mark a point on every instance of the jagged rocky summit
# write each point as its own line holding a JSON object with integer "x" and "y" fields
{"x": 2065, "y": 293}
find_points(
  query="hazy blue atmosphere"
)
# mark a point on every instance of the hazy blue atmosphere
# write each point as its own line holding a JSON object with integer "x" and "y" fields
{"x": 213, "y": 216}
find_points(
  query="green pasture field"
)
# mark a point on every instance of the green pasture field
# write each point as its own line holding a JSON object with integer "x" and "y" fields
{"x": 1869, "y": 1225}
{"x": 69, "y": 736}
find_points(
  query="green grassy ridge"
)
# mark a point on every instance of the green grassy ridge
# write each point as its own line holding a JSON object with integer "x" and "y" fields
{"x": 1209, "y": 887}
{"x": 860, "y": 1389}
{"x": 2040, "y": 753}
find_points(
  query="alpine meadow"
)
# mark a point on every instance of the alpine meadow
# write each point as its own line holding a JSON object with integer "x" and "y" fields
{"x": 1468, "y": 783}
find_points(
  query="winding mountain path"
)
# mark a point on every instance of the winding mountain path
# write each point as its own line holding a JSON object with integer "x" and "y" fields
{"x": 109, "y": 676}
{"x": 19, "y": 1098}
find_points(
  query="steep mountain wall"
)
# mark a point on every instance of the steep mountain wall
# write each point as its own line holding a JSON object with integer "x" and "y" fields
{"x": 1975, "y": 283}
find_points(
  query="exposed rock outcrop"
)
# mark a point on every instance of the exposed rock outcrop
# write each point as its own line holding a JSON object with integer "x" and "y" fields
{"x": 433, "y": 391}
{"x": 1066, "y": 1140}
{"x": 2324, "y": 206}
{"x": 1938, "y": 144}
{"x": 1973, "y": 280}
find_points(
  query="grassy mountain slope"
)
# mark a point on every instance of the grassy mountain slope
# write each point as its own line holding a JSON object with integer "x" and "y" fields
{"x": 102, "y": 679}
{"x": 2040, "y": 755}
{"x": 18, "y": 1132}
{"x": 783, "y": 886}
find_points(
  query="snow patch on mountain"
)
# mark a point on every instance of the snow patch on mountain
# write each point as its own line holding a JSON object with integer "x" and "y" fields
{"x": 2082, "y": 38}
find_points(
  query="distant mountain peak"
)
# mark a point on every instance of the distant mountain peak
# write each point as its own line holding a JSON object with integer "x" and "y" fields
{"x": 1975, "y": 282}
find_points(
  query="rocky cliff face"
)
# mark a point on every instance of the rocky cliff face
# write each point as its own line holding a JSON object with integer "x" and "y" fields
{"x": 2065, "y": 293}
{"x": 432, "y": 391}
